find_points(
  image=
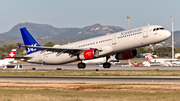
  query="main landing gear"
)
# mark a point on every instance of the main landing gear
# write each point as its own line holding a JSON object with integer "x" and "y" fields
{"x": 81, "y": 65}
{"x": 152, "y": 47}
{"x": 107, "y": 64}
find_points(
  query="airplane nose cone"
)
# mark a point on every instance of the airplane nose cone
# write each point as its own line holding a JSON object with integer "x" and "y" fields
{"x": 167, "y": 34}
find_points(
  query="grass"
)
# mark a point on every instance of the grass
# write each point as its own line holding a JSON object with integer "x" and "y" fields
{"x": 91, "y": 73}
{"x": 115, "y": 92}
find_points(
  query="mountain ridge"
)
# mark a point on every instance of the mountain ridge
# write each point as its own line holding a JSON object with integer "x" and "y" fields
{"x": 44, "y": 33}
{"x": 48, "y": 32}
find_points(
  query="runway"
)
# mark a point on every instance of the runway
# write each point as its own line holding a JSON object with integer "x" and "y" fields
{"x": 92, "y": 67}
{"x": 92, "y": 80}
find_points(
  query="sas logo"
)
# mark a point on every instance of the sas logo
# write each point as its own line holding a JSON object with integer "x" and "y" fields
{"x": 31, "y": 49}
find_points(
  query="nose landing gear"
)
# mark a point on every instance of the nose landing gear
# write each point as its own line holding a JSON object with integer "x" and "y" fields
{"x": 153, "y": 51}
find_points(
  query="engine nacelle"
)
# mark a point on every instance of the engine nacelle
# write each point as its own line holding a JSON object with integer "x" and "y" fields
{"x": 128, "y": 54}
{"x": 89, "y": 54}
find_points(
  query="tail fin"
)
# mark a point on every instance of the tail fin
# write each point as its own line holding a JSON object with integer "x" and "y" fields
{"x": 11, "y": 54}
{"x": 112, "y": 57}
{"x": 28, "y": 40}
{"x": 149, "y": 56}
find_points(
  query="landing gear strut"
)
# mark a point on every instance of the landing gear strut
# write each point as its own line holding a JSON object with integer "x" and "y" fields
{"x": 152, "y": 47}
{"x": 107, "y": 64}
{"x": 81, "y": 65}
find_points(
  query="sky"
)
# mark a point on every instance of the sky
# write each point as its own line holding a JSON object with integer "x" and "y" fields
{"x": 81, "y": 13}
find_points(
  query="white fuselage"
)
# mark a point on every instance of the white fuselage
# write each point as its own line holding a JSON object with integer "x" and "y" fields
{"x": 7, "y": 62}
{"x": 162, "y": 60}
{"x": 109, "y": 44}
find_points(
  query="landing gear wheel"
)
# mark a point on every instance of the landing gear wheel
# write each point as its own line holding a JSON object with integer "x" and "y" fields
{"x": 153, "y": 52}
{"x": 106, "y": 65}
{"x": 81, "y": 65}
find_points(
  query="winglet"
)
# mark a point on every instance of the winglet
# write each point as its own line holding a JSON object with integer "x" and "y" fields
{"x": 19, "y": 46}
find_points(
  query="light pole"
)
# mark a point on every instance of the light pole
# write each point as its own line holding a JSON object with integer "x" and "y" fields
{"x": 172, "y": 18}
{"x": 128, "y": 17}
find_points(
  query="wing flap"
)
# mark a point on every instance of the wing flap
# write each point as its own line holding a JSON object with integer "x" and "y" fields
{"x": 55, "y": 49}
{"x": 60, "y": 50}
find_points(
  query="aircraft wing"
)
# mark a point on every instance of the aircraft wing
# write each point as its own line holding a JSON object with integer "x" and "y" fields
{"x": 58, "y": 49}
{"x": 55, "y": 49}
{"x": 21, "y": 57}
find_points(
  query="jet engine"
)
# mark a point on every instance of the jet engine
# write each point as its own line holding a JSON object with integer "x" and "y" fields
{"x": 128, "y": 54}
{"x": 89, "y": 54}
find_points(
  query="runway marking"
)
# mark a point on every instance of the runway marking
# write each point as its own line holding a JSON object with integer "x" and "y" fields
{"x": 93, "y": 80}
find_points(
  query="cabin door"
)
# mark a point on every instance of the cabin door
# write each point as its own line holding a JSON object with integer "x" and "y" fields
{"x": 40, "y": 57}
{"x": 145, "y": 32}
{"x": 114, "y": 40}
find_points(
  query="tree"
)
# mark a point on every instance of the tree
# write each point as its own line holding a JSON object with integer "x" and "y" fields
{"x": 49, "y": 44}
{"x": 141, "y": 50}
{"x": 20, "y": 51}
{"x": 2, "y": 56}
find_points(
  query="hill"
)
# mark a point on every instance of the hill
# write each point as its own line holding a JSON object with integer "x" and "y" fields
{"x": 168, "y": 42}
{"x": 45, "y": 33}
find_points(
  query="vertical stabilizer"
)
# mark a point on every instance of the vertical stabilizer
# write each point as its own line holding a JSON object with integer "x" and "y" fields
{"x": 28, "y": 40}
{"x": 11, "y": 54}
{"x": 149, "y": 56}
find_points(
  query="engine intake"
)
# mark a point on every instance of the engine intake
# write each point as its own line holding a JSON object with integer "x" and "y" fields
{"x": 89, "y": 54}
{"x": 128, "y": 54}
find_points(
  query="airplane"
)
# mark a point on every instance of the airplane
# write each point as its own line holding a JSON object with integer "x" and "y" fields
{"x": 9, "y": 59}
{"x": 13, "y": 67}
{"x": 121, "y": 44}
{"x": 151, "y": 59}
{"x": 163, "y": 62}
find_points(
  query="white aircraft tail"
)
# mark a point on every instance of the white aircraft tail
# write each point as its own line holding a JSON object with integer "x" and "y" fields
{"x": 112, "y": 57}
{"x": 169, "y": 63}
{"x": 149, "y": 56}
{"x": 166, "y": 63}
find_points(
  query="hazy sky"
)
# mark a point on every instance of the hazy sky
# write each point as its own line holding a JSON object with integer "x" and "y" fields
{"x": 80, "y": 13}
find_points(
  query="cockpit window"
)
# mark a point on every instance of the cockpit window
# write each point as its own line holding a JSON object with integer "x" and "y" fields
{"x": 156, "y": 29}
{"x": 161, "y": 28}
